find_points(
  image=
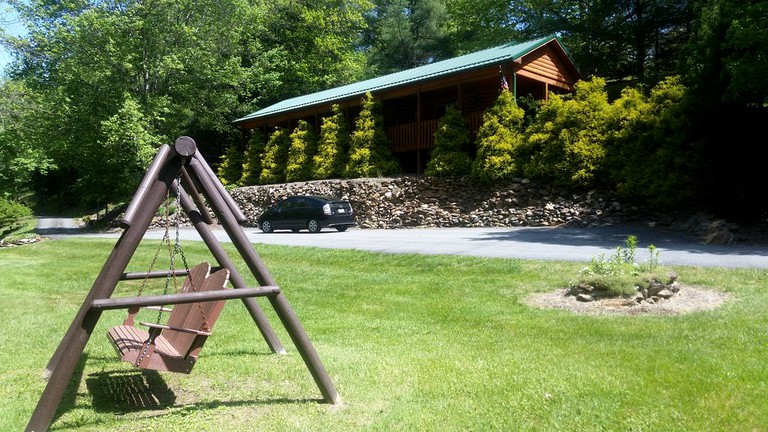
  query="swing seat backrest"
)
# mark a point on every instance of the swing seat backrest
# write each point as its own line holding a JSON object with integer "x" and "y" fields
{"x": 178, "y": 344}
{"x": 195, "y": 316}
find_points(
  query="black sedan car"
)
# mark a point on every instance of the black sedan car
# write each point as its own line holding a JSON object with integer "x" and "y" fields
{"x": 308, "y": 212}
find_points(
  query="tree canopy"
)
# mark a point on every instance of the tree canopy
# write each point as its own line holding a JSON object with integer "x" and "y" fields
{"x": 95, "y": 86}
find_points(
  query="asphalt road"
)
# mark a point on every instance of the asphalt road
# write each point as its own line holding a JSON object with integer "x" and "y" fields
{"x": 567, "y": 244}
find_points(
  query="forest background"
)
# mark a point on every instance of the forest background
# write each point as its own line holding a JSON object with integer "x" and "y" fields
{"x": 95, "y": 86}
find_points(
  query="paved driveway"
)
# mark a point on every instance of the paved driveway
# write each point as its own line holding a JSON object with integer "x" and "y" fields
{"x": 569, "y": 244}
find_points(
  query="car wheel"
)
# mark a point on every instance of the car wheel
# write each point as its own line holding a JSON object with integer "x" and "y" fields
{"x": 313, "y": 226}
{"x": 266, "y": 226}
{"x": 341, "y": 228}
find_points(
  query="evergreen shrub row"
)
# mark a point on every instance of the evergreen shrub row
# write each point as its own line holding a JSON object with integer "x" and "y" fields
{"x": 634, "y": 145}
{"x": 298, "y": 155}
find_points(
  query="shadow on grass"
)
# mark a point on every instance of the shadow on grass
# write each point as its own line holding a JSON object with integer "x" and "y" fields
{"x": 131, "y": 391}
{"x": 125, "y": 392}
{"x": 128, "y": 391}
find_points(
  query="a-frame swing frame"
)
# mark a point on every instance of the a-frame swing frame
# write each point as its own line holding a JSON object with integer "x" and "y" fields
{"x": 182, "y": 159}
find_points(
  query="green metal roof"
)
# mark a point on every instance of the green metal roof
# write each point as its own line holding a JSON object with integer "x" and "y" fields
{"x": 499, "y": 54}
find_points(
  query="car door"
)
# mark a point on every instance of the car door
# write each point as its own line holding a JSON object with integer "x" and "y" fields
{"x": 284, "y": 214}
{"x": 303, "y": 212}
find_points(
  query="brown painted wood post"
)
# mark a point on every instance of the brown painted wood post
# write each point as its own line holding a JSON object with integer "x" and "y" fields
{"x": 153, "y": 171}
{"x": 235, "y": 278}
{"x": 279, "y": 302}
{"x": 68, "y": 354}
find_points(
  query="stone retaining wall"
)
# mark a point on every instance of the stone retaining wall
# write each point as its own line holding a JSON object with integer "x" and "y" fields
{"x": 437, "y": 202}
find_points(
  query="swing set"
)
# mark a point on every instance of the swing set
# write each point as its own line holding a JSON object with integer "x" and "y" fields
{"x": 175, "y": 345}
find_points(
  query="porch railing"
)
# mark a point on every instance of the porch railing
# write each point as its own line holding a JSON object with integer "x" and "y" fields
{"x": 420, "y": 135}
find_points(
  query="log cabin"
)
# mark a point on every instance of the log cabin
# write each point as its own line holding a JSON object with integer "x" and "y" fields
{"x": 414, "y": 100}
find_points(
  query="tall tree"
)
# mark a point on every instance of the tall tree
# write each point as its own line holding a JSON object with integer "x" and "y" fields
{"x": 231, "y": 167}
{"x": 613, "y": 38}
{"x": 478, "y": 24}
{"x": 20, "y": 158}
{"x": 275, "y": 157}
{"x": 312, "y": 45}
{"x": 450, "y": 157}
{"x": 727, "y": 104}
{"x": 300, "y": 153}
{"x": 407, "y": 33}
{"x": 729, "y": 52}
{"x": 333, "y": 146}
{"x": 252, "y": 159}
{"x": 179, "y": 60}
{"x": 125, "y": 148}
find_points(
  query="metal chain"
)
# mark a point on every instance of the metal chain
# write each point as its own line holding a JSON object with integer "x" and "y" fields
{"x": 165, "y": 241}
{"x": 179, "y": 191}
{"x": 145, "y": 348}
{"x": 173, "y": 252}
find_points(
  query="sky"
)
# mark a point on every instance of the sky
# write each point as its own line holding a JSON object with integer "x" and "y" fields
{"x": 10, "y": 25}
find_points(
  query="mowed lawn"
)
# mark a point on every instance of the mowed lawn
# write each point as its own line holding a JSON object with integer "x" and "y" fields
{"x": 412, "y": 343}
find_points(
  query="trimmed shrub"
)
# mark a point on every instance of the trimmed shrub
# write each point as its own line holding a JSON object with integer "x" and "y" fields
{"x": 369, "y": 153}
{"x": 333, "y": 146}
{"x": 649, "y": 161}
{"x": 231, "y": 166}
{"x": 252, "y": 160}
{"x": 450, "y": 158}
{"x": 497, "y": 140}
{"x": 300, "y": 153}
{"x": 565, "y": 143}
{"x": 275, "y": 157}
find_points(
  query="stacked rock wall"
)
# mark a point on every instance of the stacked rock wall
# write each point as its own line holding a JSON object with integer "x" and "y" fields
{"x": 438, "y": 202}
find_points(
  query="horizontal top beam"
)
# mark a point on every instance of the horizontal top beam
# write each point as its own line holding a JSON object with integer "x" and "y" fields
{"x": 190, "y": 297}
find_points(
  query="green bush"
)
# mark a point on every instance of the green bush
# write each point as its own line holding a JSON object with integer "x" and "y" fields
{"x": 11, "y": 213}
{"x": 252, "y": 160}
{"x": 231, "y": 166}
{"x": 450, "y": 158}
{"x": 333, "y": 146}
{"x": 370, "y": 154}
{"x": 498, "y": 139}
{"x": 648, "y": 157}
{"x": 300, "y": 153}
{"x": 275, "y": 157}
{"x": 565, "y": 143}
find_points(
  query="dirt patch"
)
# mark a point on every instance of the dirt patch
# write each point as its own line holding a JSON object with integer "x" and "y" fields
{"x": 688, "y": 299}
{"x": 12, "y": 242}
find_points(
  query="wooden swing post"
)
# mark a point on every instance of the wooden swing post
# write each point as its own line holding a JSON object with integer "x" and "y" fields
{"x": 223, "y": 259}
{"x": 67, "y": 355}
{"x": 167, "y": 166}
{"x": 215, "y": 194}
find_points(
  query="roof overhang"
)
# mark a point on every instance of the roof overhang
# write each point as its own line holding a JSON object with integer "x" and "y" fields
{"x": 504, "y": 54}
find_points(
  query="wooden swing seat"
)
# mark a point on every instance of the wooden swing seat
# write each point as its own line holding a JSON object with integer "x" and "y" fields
{"x": 173, "y": 347}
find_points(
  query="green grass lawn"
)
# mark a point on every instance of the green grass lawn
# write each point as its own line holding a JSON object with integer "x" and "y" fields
{"x": 412, "y": 342}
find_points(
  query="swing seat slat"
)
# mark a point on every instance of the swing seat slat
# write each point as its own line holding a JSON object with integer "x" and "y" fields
{"x": 177, "y": 344}
{"x": 129, "y": 339}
